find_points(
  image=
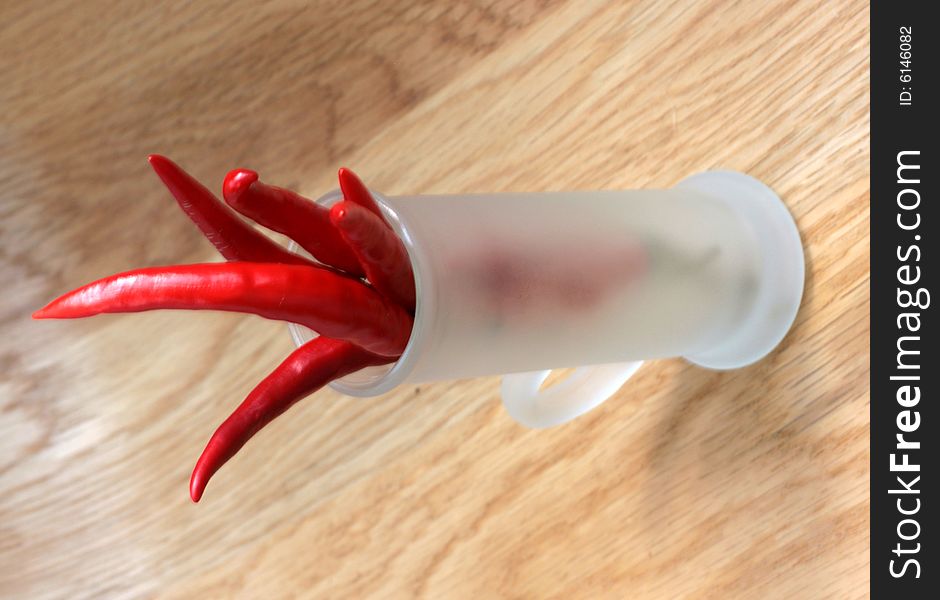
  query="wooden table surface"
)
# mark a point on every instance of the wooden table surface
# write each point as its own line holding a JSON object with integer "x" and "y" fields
{"x": 688, "y": 483}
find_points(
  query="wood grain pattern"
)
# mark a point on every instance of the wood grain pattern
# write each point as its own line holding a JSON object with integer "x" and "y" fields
{"x": 689, "y": 483}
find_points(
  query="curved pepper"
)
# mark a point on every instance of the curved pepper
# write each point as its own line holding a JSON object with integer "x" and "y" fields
{"x": 315, "y": 297}
{"x": 232, "y": 237}
{"x": 365, "y": 326}
{"x": 307, "y": 369}
{"x": 355, "y": 191}
{"x": 380, "y": 252}
{"x": 284, "y": 211}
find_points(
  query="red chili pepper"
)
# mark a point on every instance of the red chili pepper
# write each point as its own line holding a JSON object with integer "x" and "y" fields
{"x": 233, "y": 238}
{"x": 284, "y": 211}
{"x": 356, "y": 191}
{"x": 331, "y": 304}
{"x": 307, "y": 369}
{"x": 380, "y": 252}
{"x": 365, "y": 326}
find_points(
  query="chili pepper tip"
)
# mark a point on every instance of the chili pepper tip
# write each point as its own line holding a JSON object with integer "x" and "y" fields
{"x": 338, "y": 212}
{"x": 161, "y": 164}
{"x": 197, "y": 484}
{"x": 232, "y": 237}
{"x": 356, "y": 192}
{"x": 236, "y": 182}
{"x": 53, "y": 310}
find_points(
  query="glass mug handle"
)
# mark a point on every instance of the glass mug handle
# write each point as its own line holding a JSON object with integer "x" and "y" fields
{"x": 583, "y": 390}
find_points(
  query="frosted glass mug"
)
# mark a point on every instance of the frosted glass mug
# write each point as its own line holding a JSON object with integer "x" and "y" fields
{"x": 521, "y": 283}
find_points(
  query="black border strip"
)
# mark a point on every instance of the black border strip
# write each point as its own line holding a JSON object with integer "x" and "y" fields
{"x": 903, "y": 272}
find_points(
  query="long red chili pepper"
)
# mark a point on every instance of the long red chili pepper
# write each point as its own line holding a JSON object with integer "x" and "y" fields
{"x": 233, "y": 238}
{"x": 333, "y": 305}
{"x": 380, "y": 252}
{"x": 365, "y": 326}
{"x": 284, "y": 211}
{"x": 307, "y": 369}
{"x": 355, "y": 191}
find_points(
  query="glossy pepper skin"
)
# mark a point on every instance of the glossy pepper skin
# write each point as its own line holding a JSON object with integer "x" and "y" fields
{"x": 366, "y": 323}
{"x": 335, "y": 306}
{"x": 306, "y": 370}
{"x": 232, "y": 237}
{"x": 287, "y": 212}
{"x": 382, "y": 255}
{"x": 356, "y": 192}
